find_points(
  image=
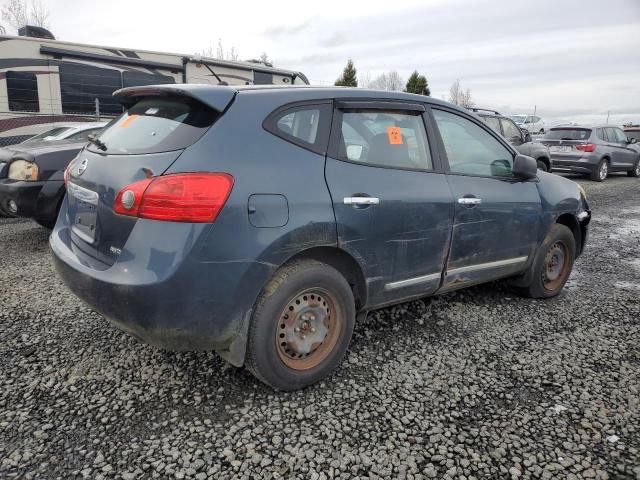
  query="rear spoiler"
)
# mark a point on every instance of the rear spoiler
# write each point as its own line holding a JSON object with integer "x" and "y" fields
{"x": 216, "y": 97}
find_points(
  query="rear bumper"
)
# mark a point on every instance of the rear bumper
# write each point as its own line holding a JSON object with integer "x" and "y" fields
{"x": 37, "y": 200}
{"x": 176, "y": 303}
{"x": 562, "y": 163}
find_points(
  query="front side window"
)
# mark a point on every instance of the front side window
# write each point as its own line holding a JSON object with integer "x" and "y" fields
{"x": 470, "y": 149}
{"x": 154, "y": 125}
{"x": 22, "y": 90}
{"x": 511, "y": 131}
{"x": 394, "y": 139}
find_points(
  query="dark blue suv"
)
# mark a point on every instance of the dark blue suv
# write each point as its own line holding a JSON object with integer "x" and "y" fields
{"x": 262, "y": 222}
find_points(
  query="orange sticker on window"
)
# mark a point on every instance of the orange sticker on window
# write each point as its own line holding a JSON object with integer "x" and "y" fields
{"x": 128, "y": 121}
{"x": 395, "y": 135}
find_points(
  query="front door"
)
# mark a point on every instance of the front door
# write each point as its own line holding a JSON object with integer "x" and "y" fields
{"x": 624, "y": 157}
{"x": 497, "y": 219}
{"x": 394, "y": 211}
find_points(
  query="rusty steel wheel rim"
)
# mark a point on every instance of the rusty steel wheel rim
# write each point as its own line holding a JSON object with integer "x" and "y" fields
{"x": 308, "y": 329}
{"x": 556, "y": 266}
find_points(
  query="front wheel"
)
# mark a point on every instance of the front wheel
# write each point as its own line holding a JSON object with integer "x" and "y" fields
{"x": 552, "y": 265}
{"x": 636, "y": 171}
{"x": 600, "y": 174}
{"x": 301, "y": 326}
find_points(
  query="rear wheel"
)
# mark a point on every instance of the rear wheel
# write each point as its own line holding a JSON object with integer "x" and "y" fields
{"x": 541, "y": 132}
{"x": 636, "y": 171}
{"x": 542, "y": 165}
{"x": 600, "y": 174}
{"x": 301, "y": 327}
{"x": 553, "y": 263}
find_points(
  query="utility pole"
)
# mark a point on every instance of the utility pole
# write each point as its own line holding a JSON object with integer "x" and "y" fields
{"x": 608, "y": 112}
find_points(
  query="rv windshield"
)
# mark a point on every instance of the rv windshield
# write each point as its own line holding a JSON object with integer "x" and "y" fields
{"x": 154, "y": 125}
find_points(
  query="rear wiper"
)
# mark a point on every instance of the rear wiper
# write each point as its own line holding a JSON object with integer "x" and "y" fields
{"x": 97, "y": 142}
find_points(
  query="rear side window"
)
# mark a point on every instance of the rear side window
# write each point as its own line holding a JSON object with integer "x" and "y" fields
{"x": 22, "y": 90}
{"x": 568, "y": 134}
{"x": 601, "y": 134}
{"x": 494, "y": 123}
{"x": 620, "y": 137}
{"x": 305, "y": 125}
{"x": 156, "y": 124}
{"x": 394, "y": 139}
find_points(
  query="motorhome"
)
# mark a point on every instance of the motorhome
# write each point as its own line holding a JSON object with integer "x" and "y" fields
{"x": 44, "y": 81}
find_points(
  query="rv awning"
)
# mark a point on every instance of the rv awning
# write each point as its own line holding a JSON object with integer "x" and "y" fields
{"x": 216, "y": 97}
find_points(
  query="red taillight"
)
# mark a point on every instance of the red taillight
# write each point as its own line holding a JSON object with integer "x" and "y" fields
{"x": 185, "y": 197}
{"x": 587, "y": 147}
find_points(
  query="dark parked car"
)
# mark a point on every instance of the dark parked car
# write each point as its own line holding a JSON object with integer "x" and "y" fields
{"x": 261, "y": 222}
{"x": 519, "y": 139}
{"x": 594, "y": 150}
{"x": 31, "y": 178}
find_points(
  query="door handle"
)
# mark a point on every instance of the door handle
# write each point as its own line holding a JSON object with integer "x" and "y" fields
{"x": 361, "y": 200}
{"x": 469, "y": 201}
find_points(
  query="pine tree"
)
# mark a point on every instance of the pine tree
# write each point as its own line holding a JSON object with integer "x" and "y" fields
{"x": 417, "y": 84}
{"x": 348, "y": 77}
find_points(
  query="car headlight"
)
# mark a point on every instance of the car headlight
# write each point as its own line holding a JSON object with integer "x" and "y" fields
{"x": 23, "y": 170}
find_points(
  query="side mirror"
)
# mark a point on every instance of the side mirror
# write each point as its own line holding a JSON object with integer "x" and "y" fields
{"x": 631, "y": 140}
{"x": 524, "y": 167}
{"x": 527, "y": 137}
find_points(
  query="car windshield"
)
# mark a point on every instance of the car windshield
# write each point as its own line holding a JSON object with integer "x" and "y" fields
{"x": 568, "y": 134}
{"x": 635, "y": 134}
{"x": 156, "y": 124}
{"x": 54, "y": 132}
{"x": 519, "y": 118}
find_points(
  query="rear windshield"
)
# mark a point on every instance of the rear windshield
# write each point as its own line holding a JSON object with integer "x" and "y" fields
{"x": 49, "y": 133}
{"x": 568, "y": 134}
{"x": 154, "y": 125}
{"x": 632, "y": 134}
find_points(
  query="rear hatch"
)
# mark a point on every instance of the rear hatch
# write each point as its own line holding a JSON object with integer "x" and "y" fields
{"x": 158, "y": 125}
{"x": 568, "y": 142}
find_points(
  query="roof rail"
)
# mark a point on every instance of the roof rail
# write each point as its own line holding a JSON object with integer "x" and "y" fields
{"x": 477, "y": 109}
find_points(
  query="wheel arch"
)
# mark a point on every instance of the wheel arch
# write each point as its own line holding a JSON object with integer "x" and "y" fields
{"x": 546, "y": 161}
{"x": 344, "y": 263}
{"x": 571, "y": 222}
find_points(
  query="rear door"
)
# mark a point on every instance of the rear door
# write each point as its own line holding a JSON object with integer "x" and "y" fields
{"x": 497, "y": 219}
{"x": 393, "y": 206}
{"x": 624, "y": 156}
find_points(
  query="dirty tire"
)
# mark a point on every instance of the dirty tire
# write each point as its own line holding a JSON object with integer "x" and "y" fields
{"x": 265, "y": 358}
{"x": 636, "y": 171}
{"x": 542, "y": 165}
{"x": 559, "y": 242}
{"x": 600, "y": 174}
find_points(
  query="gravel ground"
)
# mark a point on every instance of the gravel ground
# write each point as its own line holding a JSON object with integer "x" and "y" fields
{"x": 475, "y": 384}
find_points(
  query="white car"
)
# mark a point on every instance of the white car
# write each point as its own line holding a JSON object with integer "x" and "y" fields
{"x": 531, "y": 123}
{"x": 68, "y": 131}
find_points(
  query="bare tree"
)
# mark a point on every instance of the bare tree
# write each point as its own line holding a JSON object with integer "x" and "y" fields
{"x": 386, "y": 81}
{"x": 39, "y": 15}
{"x": 460, "y": 97}
{"x": 219, "y": 52}
{"x": 18, "y": 13}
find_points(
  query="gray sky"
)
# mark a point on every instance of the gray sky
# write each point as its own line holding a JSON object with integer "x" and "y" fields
{"x": 573, "y": 59}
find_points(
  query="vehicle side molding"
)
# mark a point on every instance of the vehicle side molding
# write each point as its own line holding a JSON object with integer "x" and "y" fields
{"x": 524, "y": 168}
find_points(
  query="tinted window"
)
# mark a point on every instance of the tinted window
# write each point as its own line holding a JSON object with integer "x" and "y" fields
{"x": 384, "y": 138}
{"x": 134, "y": 79}
{"x": 611, "y": 135}
{"x": 601, "y": 134}
{"x": 157, "y": 124}
{"x": 22, "y": 90}
{"x": 470, "y": 149}
{"x": 301, "y": 124}
{"x": 81, "y": 85}
{"x": 494, "y": 123}
{"x": 84, "y": 135}
{"x": 511, "y": 130}
{"x": 568, "y": 134}
{"x": 633, "y": 134}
